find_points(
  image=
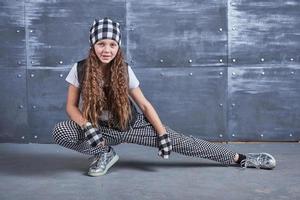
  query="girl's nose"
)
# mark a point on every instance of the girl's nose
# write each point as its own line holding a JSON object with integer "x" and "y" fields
{"x": 106, "y": 49}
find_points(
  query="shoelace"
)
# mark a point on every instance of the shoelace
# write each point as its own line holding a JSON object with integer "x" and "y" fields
{"x": 96, "y": 158}
{"x": 251, "y": 161}
{"x": 103, "y": 159}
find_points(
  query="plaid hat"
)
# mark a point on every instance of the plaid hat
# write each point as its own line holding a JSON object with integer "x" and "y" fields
{"x": 105, "y": 29}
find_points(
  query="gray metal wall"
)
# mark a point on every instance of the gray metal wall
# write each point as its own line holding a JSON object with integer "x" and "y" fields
{"x": 222, "y": 70}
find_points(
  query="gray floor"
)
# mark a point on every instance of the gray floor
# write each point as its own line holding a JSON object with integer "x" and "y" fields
{"x": 48, "y": 171}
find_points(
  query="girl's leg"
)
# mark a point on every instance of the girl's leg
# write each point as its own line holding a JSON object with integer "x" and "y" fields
{"x": 143, "y": 133}
{"x": 69, "y": 134}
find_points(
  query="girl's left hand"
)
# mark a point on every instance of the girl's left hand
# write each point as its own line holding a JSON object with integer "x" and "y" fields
{"x": 102, "y": 144}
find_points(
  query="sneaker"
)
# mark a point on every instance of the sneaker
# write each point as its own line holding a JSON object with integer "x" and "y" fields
{"x": 102, "y": 162}
{"x": 259, "y": 160}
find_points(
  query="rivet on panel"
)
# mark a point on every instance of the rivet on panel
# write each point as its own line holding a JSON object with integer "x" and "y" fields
{"x": 233, "y": 135}
{"x": 233, "y": 28}
{"x": 19, "y": 75}
{"x": 31, "y": 31}
{"x": 19, "y": 62}
{"x": 191, "y": 74}
{"x": 18, "y": 31}
{"x": 291, "y": 135}
{"x": 233, "y": 60}
{"x": 220, "y": 60}
{"x": 261, "y": 135}
{"x": 233, "y": 73}
{"x": 21, "y": 106}
{"x": 31, "y": 62}
{"x": 161, "y": 60}
{"x": 220, "y": 135}
{"x": 292, "y": 59}
{"x": 23, "y": 137}
{"x": 292, "y": 72}
{"x": 61, "y": 62}
{"x": 34, "y": 107}
{"x": 262, "y": 73}
{"x": 61, "y": 75}
{"x": 32, "y": 75}
{"x": 262, "y": 59}
{"x": 190, "y": 61}
{"x": 233, "y": 104}
{"x": 35, "y": 136}
{"x": 49, "y": 47}
{"x": 221, "y": 73}
{"x": 162, "y": 74}
{"x": 221, "y": 105}
{"x": 220, "y": 29}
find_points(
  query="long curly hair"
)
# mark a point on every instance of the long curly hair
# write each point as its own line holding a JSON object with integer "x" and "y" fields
{"x": 106, "y": 93}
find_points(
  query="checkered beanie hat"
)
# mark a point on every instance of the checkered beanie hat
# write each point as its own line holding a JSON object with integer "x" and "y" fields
{"x": 105, "y": 29}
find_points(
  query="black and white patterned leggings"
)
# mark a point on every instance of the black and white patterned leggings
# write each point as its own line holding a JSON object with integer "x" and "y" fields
{"x": 69, "y": 134}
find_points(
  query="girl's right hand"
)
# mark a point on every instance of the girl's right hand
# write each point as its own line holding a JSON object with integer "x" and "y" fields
{"x": 93, "y": 135}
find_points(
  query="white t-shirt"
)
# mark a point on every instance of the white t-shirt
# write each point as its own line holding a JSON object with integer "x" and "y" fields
{"x": 72, "y": 78}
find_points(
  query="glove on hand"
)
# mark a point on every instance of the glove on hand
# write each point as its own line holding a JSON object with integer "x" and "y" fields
{"x": 164, "y": 146}
{"x": 93, "y": 135}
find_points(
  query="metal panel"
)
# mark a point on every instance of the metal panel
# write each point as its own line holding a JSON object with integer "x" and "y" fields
{"x": 58, "y": 32}
{"x": 264, "y": 103}
{"x": 188, "y": 100}
{"x": 263, "y": 31}
{"x": 47, "y": 90}
{"x": 12, "y": 34}
{"x": 13, "y": 106}
{"x": 177, "y": 33}
{"x": 167, "y": 42}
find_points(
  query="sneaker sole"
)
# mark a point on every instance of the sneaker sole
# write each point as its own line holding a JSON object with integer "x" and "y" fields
{"x": 109, "y": 165}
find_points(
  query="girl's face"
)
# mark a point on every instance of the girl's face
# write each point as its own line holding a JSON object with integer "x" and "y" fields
{"x": 106, "y": 50}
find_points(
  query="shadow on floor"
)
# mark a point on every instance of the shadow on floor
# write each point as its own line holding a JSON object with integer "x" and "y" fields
{"x": 49, "y": 164}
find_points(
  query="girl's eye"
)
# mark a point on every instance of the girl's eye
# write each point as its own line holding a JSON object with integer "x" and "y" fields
{"x": 113, "y": 45}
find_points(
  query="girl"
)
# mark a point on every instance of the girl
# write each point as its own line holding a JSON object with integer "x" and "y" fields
{"x": 106, "y": 116}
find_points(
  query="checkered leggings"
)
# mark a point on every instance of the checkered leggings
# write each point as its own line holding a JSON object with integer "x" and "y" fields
{"x": 69, "y": 134}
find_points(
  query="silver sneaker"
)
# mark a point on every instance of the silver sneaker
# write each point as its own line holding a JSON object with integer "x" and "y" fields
{"x": 259, "y": 160}
{"x": 102, "y": 162}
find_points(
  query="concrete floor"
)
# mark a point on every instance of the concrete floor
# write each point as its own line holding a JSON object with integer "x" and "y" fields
{"x": 51, "y": 172}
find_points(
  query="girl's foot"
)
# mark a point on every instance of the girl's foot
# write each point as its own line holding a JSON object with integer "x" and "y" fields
{"x": 102, "y": 162}
{"x": 259, "y": 160}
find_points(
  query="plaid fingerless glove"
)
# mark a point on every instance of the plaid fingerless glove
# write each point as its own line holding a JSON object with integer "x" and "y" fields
{"x": 93, "y": 135}
{"x": 164, "y": 146}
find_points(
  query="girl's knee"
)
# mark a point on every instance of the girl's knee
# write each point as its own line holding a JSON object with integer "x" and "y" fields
{"x": 57, "y": 132}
